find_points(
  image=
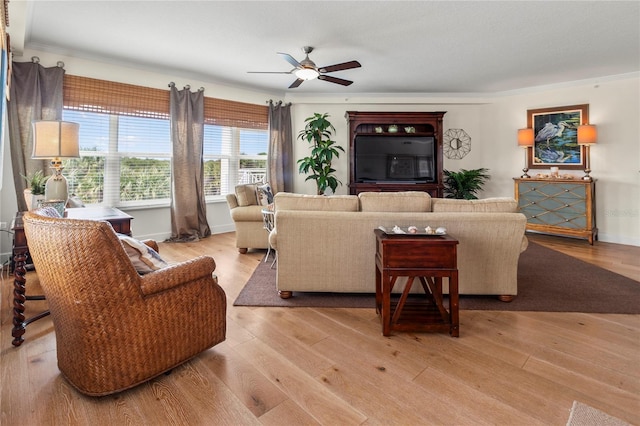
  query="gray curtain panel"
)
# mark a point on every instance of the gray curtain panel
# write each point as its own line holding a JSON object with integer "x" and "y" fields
{"x": 36, "y": 94}
{"x": 280, "y": 154}
{"x": 188, "y": 208}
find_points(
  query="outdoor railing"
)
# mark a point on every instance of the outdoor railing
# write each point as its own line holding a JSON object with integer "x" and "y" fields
{"x": 251, "y": 176}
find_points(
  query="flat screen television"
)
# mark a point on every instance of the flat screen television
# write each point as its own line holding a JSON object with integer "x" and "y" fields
{"x": 388, "y": 159}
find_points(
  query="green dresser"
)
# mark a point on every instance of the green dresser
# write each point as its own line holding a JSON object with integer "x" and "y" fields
{"x": 559, "y": 207}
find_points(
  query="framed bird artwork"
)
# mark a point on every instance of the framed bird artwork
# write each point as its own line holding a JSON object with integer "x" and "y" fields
{"x": 556, "y": 136}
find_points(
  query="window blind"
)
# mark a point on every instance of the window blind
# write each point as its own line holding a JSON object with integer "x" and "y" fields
{"x": 110, "y": 97}
{"x": 222, "y": 112}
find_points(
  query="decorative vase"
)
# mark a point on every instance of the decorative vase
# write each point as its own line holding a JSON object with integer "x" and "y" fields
{"x": 31, "y": 199}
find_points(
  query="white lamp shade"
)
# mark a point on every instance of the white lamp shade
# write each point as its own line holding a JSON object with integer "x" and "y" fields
{"x": 55, "y": 139}
{"x": 525, "y": 137}
{"x": 587, "y": 134}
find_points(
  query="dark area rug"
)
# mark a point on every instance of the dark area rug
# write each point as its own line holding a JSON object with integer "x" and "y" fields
{"x": 548, "y": 281}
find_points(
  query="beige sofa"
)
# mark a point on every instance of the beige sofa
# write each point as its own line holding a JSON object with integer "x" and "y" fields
{"x": 327, "y": 244}
{"x": 246, "y": 212}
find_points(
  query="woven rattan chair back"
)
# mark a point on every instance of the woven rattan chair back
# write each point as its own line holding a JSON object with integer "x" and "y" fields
{"x": 114, "y": 328}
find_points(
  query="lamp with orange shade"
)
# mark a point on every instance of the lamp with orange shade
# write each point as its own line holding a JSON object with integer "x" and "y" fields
{"x": 587, "y": 136}
{"x": 525, "y": 140}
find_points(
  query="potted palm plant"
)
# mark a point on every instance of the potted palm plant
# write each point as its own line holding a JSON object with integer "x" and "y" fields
{"x": 35, "y": 192}
{"x": 317, "y": 132}
{"x": 464, "y": 184}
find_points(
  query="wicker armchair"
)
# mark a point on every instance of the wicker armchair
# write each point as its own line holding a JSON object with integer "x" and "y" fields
{"x": 115, "y": 328}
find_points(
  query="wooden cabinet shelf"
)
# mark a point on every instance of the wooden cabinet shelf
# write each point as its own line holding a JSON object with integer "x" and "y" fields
{"x": 558, "y": 207}
{"x": 405, "y": 160}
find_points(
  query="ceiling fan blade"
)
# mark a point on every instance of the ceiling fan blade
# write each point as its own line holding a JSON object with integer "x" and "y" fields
{"x": 269, "y": 72}
{"x": 335, "y": 80}
{"x": 296, "y": 83}
{"x": 340, "y": 67}
{"x": 290, "y": 59}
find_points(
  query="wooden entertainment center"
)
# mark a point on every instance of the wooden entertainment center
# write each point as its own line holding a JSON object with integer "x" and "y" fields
{"x": 414, "y": 172}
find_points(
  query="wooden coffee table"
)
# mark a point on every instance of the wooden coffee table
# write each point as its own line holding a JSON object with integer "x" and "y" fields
{"x": 121, "y": 223}
{"x": 428, "y": 258}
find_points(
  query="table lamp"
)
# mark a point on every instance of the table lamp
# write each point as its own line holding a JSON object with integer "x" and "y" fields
{"x": 587, "y": 136}
{"x": 525, "y": 140}
{"x": 56, "y": 140}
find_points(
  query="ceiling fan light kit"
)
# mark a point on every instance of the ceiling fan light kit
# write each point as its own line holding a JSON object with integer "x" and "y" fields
{"x": 307, "y": 69}
{"x": 306, "y": 73}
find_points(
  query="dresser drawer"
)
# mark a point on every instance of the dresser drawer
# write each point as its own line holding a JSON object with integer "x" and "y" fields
{"x": 563, "y": 190}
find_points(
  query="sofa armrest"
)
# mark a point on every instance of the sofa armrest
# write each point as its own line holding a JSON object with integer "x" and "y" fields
{"x": 232, "y": 201}
{"x": 177, "y": 275}
{"x": 273, "y": 239}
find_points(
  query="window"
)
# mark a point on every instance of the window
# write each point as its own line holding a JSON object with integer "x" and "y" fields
{"x": 123, "y": 160}
{"x": 235, "y": 145}
{"x": 233, "y": 156}
{"x": 125, "y": 146}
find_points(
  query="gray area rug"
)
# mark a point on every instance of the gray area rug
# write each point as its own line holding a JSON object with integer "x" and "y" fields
{"x": 548, "y": 281}
{"x": 585, "y": 415}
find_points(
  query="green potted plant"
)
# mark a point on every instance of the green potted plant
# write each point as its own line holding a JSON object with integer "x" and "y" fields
{"x": 317, "y": 132}
{"x": 464, "y": 184}
{"x": 36, "y": 182}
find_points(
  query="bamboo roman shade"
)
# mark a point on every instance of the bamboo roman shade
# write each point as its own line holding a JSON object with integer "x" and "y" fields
{"x": 222, "y": 112}
{"x": 109, "y": 97}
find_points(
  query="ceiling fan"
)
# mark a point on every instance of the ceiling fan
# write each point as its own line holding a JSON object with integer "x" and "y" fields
{"x": 307, "y": 69}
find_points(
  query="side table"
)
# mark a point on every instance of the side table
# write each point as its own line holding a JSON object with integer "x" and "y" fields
{"x": 121, "y": 223}
{"x": 428, "y": 258}
{"x": 268, "y": 218}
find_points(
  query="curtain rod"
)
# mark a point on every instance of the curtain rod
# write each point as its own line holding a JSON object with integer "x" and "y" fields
{"x": 36, "y": 60}
{"x": 186, "y": 87}
{"x": 270, "y": 101}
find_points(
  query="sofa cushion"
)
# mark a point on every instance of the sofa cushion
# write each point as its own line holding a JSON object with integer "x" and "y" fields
{"x": 48, "y": 211}
{"x": 144, "y": 258}
{"x": 406, "y": 201}
{"x": 246, "y": 195}
{"x": 265, "y": 194}
{"x": 342, "y": 203}
{"x": 487, "y": 205}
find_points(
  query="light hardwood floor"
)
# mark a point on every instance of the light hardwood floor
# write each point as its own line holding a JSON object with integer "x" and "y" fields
{"x": 283, "y": 366}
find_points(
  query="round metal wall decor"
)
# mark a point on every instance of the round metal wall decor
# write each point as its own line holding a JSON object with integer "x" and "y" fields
{"x": 457, "y": 144}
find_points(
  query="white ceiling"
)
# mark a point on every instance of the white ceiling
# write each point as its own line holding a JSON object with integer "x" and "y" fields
{"x": 403, "y": 46}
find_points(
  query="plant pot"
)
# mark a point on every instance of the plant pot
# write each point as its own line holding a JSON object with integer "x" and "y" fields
{"x": 32, "y": 200}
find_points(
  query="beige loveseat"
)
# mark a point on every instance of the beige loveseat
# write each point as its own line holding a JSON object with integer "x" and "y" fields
{"x": 327, "y": 244}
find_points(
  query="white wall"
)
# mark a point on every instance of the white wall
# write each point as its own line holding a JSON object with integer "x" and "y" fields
{"x": 492, "y": 123}
{"x": 490, "y": 120}
{"x": 614, "y": 106}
